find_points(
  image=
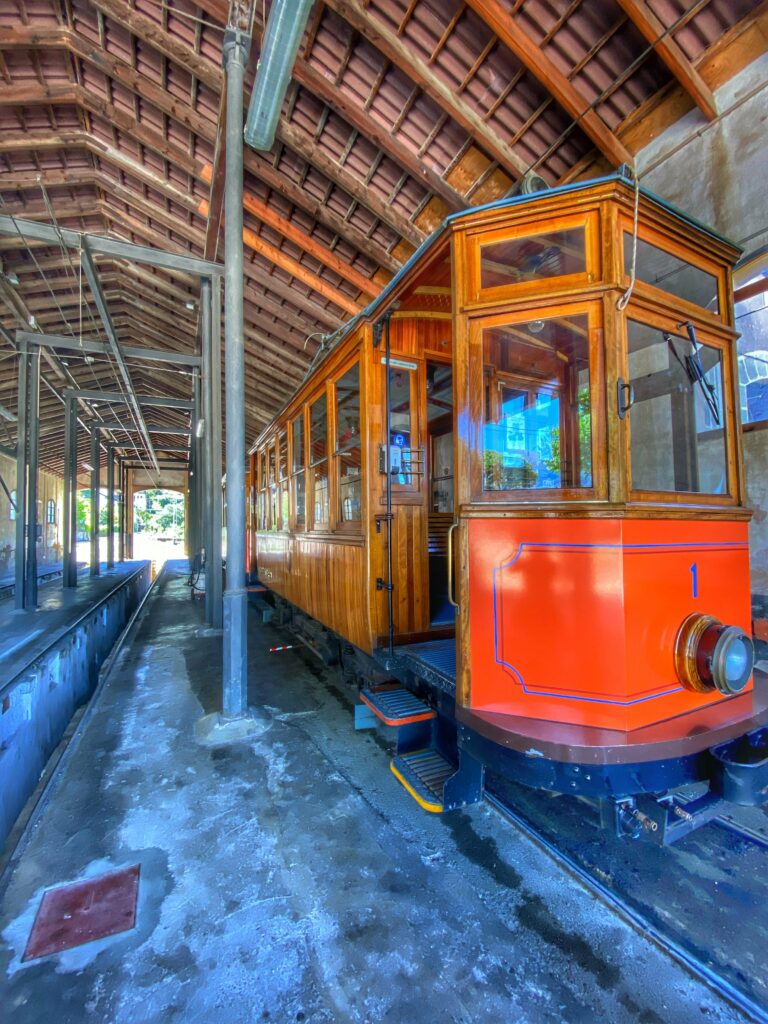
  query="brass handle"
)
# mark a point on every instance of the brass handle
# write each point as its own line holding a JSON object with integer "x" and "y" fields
{"x": 451, "y": 600}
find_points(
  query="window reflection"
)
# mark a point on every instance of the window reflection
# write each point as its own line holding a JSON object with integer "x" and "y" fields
{"x": 517, "y": 260}
{"x": 348, "y": 444}
{"x": 537, "y": 425}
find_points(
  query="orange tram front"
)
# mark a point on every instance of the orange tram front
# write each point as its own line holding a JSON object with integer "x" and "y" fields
{"x": 509, "y": 499}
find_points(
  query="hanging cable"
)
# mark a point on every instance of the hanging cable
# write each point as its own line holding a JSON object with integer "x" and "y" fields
{"x": 622, "y": 301}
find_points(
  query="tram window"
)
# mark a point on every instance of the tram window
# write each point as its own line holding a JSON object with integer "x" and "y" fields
{"x": 283, "y": 477}
{"x": 538, "y": 418}
{"x": 517, "y": 260}
{"x": 299, "y": 476}
{"x": 661, "y": 269}
{"x": 261, "y": 514}
{"x": 400, "y": 434}
{"x": 318, "y": 460}
{"x": 677, "y": 425}
{"x": 272, "y": 490}
{"x": 440, "y": 429}
{"x": 348, "y": 452}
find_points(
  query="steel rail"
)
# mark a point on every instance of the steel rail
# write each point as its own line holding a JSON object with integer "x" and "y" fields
{"x": 721, "y": 986}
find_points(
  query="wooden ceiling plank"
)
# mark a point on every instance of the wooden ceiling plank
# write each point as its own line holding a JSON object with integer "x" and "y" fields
{"x": 549, "y": 75}
{"x": 655, "y": 33}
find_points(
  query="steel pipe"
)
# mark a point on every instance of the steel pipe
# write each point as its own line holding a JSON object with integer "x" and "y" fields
{"x": 235, "y": 679}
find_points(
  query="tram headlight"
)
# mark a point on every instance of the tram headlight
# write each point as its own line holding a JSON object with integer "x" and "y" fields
{"x": 711, "y": 656}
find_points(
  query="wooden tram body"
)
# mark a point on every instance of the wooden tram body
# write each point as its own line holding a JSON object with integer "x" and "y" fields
{"x": 496, "y": 455}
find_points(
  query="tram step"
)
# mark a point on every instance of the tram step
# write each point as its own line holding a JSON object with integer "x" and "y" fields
{"x": 397, "y": 706}
{"x": 435, "y": 784}
{"x": 424, "y": 774}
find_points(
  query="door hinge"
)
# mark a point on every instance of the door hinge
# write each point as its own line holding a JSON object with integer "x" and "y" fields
{"x": 381, "y": 585}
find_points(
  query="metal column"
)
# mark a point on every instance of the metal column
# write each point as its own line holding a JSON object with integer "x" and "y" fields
{"x": 33, "y": 445}
{"x": 235, "y": 703}
{"x": 22, "y": 431}
{"x": 110, "y": 506}
{"x": 212, "y": 500}
{"x": 95, "y": 485}
{"x": 70, "y": 492}
{"x": 121, "y": 512}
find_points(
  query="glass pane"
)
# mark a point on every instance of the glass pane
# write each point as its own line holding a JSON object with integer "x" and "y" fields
{"x": 298, "y": 443}
{"x": 400, "y": 422}
{"x": 261, "y": 510}
{"x": 262, "y": 469}
{"x": 350, "y": 485}
{"x": 299, "y": 490}
{"x": 677, "y": 421}
{"x": 348, "y": 409}
{"x": 673, "y": 275}
{"x": 518, "y": 260}
{"x": 284, "y": 505}
{"x": 752, "y": 321}
{"x": 538, "y": 424}
{"x": 273, "y": 508}
{"x": 442, "y": 473}
{"x": 283, "y": 458}
{"x": 320, "y": 506}
{"x": 318, "y": 431}
{"x": 272, "y": 464}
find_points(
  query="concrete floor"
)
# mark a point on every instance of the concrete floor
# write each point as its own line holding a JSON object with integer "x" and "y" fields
{"x": 290, "y": 878}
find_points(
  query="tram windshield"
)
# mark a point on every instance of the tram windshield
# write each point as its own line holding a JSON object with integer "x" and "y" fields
{"x": 677, "y": 420}
{"x": 538, "y": 417}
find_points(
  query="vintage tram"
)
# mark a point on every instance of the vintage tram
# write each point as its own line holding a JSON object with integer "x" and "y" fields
{"x": 509, "y": 495}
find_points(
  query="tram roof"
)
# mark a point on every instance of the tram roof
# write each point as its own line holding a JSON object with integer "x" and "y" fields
{"x": 380, "y": 302}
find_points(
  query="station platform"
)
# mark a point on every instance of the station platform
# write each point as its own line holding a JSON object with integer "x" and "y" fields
{"x": 24, "y": 634}
{"x": 287, "y": 877}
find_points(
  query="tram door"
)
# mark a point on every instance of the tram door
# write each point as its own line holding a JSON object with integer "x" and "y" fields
{"x": 440, "y": 487}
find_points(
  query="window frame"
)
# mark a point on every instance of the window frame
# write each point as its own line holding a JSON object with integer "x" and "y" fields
{"x": 650, "y": 316}
{"x": 685, "y": 309}
{"x": 747, "y": 269}
{"x": 313, "y": 525}
{"x": 294, "y": 472}
{"x": 589, "y": 220}
{"x": 50, "y": 505}
{"x": 341, "y": 525}
{"x": 593, "y": 310}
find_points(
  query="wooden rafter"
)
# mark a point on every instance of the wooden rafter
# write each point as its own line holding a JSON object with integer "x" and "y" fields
{"x": 646, "y": 22}
{"x": 393, "y": 47}
{"x": 550, "y": 76}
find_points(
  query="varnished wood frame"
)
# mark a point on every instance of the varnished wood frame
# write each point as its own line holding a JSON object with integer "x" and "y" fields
{"x": 472, "y": 400}
{"x": 531, "y": 227}
{"x": 648, "y": 313}
{"x": 668, "y": 243}
{"x": 353, "y": 528}
{"x": 293, "y": 526}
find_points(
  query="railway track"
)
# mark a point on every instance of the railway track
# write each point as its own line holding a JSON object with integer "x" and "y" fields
{"x": 730, "y": 982}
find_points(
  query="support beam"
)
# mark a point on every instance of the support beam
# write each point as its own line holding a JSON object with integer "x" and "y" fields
{"x": 509, "y": 32}
{"x": 70, "y": 492}
{"x": 117, "y": 398}
{"x": 22, "y": 438}
{"x": 92, "y": 274}
{"x": 235, "y": 678}
{"x": 211, "y": 300}
{"x": 121, "y": 512}
{"x": 60, "y": 341}
{"x": 110, "y": 506}
{"x": 95, "y": 494}
{"x": 404, "y": 57}
{"x": 33, "y": 461}
{"x": 130, "y": 428}
{"x": 654, "y": 31}
{"x": 34, "y": 231}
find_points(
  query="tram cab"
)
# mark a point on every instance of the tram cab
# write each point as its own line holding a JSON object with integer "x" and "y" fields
{"x": 521, "y": 466}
